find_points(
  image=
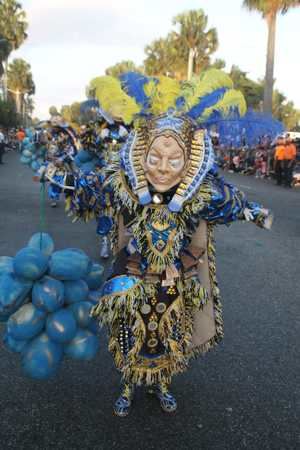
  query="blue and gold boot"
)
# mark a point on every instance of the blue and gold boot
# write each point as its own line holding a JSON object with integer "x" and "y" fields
{"x": 123, "y": 403}
{"x": 167, "y": 400}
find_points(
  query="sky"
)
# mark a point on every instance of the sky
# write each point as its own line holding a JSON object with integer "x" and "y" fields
{"x": 72, "y": 41}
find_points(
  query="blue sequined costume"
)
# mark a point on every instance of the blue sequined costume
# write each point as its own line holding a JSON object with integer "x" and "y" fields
{"x": 162, "y": 304}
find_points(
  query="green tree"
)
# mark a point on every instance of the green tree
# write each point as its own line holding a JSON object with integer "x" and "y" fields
{"x": 194, "y": 42}
{"x": 161, "y": 57}
{"x": 5, "y": 49}
{"x": 269, "y": 10}
{"x": 13, "y": 26}
{"x": 252, "y": 90}
{"x": 190, "y": 45}
{"x": 20, "y": 82}
{"x": 285, "y": 111}
{"x": 53, "y": 111}
{"x": 122, "y": 67}
{"x": 8, "y": 115}
{"x": 71, "y": 113}
{"x": 218, "y": 63}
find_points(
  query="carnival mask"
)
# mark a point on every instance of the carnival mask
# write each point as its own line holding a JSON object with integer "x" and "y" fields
{"x": 164, "y": 164}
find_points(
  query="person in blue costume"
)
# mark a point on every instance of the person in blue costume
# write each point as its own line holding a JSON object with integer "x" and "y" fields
{"x": 61, "y": 149}
{"x": 158, "y": 205}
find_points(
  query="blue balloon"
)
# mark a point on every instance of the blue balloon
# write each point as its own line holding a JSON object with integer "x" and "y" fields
{"x": 26, "y": 141}
{"x": 6, "y": 265}
{"x": 13, "y": 344}
{"x": 35, "y": 165}
{"x": 81, "y": 312}
{"x": 61, "y": 326}
{"x": 27, "y": 153}
{"x": 42, "y": 242}
{"x": 13, "y": 294}
{"x": 30, "y": 263}
{"x": 83, "y": 346}
{"x": 26, "y": 323}
{"x": 95, "y": 296}
{"x": 41, "y": 358}
{"x": 48, "y": 294}
{"x": 94, "y": 278}
{"x": 25, "y": 159}
{"x": 76, "y": 291}
{"x": 69, "y": 264}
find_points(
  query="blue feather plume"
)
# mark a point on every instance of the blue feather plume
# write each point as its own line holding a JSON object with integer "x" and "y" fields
{"x": 206, "y": 102}
{"x": 133, "y": 84}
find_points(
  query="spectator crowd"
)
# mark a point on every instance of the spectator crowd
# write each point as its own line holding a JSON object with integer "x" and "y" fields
{"x": 279, "y": 160}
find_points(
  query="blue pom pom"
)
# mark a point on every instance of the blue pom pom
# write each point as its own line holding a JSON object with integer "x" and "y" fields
{"x": 84, "y": 345}
{"x": 81, "y": 312}
{"x": 26, "y": 323}
{"x": 94, "y": 278}
{"x": 30, "y": 263}
{"x": 42, "y": 242}
{"x": 41, "y": 358}
{"x": 69, "y": 264}
{"x": 61, "y": 326}
{"x": 13, "y": 293}
{"x": 12, "y": 344}
{"x": 48, "y": 294}
{"x": 76, "y": 291}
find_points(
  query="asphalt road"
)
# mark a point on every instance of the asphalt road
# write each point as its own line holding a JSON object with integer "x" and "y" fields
{"x": 243, "y": 395}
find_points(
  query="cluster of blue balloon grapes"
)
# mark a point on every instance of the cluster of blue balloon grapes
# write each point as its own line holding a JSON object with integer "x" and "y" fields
{"x": 45, "y": 299}
{"x": 32, "y": 155}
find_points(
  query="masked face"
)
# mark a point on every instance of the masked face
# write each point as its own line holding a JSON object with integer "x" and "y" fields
{"x": 164, "y": 165}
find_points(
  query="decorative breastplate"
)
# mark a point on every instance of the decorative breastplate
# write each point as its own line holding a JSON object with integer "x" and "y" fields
{"x": 160, "y": 237}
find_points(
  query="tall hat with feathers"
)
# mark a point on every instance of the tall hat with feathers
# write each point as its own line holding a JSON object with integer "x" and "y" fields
{"x": 162, "y": 105}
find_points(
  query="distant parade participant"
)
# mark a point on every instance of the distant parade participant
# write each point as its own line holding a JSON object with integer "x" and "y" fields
{"x": 290, "y": 154}
{"x": 61, "y": 150}
{"x": 2, "y": 146}
{"x": 278, "y": 160}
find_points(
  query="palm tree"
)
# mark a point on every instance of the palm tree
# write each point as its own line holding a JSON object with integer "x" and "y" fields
{"x": 20, "y": 82}
{"x": 5, "y": 49}
{"x": 161, "y": 57}
{"x": 269, "y": 10}
{"x": 194, "y": 38}
{"x": 13, "y": 28}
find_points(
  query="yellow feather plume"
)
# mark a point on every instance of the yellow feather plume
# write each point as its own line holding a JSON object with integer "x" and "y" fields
{"x": 113, "y": 99}
{"x": 162, "y": 94}
{"x": 207, "y": 82}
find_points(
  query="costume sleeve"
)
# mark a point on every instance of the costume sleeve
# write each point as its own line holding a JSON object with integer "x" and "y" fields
{"x": 229, "y": 204}
{"x": 93, "y": 197}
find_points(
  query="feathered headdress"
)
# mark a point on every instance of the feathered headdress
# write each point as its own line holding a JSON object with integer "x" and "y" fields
{"x": 134, "y": 95}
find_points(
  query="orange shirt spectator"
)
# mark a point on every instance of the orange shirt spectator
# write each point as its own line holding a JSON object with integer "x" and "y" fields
{"x": 280, "y": 152}
{"x": 20, "y": 135}
{"x": 290, "y": 152}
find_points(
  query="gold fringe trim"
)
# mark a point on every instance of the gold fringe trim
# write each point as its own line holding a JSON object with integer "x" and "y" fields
{"x": 124, "y": 305}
